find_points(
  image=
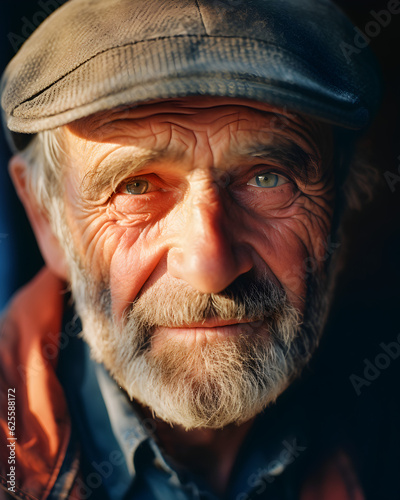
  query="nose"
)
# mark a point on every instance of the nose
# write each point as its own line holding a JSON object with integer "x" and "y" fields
{"x": 208, "y": 253}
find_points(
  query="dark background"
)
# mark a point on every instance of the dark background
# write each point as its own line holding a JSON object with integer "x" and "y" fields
{"x": 367, "y": 307}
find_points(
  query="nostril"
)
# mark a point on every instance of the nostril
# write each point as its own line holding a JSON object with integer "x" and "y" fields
{"x": 209, "y": 270}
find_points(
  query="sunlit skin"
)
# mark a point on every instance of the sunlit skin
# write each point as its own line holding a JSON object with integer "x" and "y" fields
{"x": 203, "y": 220}
{"x": 175, "y": 192}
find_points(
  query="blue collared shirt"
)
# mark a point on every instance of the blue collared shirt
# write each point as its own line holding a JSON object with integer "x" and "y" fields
{"x": 123, "y": 460}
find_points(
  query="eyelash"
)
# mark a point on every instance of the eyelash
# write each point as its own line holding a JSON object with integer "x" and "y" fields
{"x": 124, "y": 184}
{"x": 271, "y": 180}
{"x": 149, "y": 179}
{"x": 131, "y": 182}
{"x": 258, "y": 170}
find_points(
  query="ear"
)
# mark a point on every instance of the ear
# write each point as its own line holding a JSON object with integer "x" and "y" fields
{"x": 49, "y": 246}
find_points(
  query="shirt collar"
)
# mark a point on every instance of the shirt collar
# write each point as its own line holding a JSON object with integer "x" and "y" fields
{"x": 129, "y": 430}
{"x": 133, "y": 434}
{"x": 109, "y": 423}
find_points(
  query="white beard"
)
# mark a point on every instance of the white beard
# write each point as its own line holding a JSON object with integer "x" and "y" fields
{"x": 210, "y": 384}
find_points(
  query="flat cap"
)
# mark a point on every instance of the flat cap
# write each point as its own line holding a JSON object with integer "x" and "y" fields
{"x": 93, "y": 55}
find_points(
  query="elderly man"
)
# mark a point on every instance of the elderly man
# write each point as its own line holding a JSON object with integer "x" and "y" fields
{"x": 183, "y": 164}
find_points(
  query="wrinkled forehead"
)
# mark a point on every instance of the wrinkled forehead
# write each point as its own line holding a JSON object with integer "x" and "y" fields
{"x": 240, "y": 116}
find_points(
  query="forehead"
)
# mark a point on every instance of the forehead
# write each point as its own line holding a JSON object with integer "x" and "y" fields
{"x": 187, "y": 134}
{"x": 243, "y": 120}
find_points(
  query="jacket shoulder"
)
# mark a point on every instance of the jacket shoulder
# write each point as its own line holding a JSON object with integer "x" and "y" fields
{"x": 29, "y": 329}
{"x": 38, "y": 420}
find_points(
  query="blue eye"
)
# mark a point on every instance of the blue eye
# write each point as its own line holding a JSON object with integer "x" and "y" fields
{"x": 267, "y": 180}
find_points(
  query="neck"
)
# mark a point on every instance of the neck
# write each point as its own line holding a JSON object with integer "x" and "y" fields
{"x": 208, "y": 453}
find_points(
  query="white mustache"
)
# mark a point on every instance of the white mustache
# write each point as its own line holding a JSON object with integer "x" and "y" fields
{"x": 175, "y": 306}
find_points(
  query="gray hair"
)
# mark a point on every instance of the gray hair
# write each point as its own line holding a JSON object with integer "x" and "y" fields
{"x": 46, "y": 159}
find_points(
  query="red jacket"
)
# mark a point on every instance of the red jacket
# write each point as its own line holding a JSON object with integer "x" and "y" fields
{"x": 29, "y": 334}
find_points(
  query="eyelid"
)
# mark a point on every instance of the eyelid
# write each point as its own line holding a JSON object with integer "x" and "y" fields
{"x": 271, "y": 171}
{"x": 271, "y": 168}
{"x": 129, "y": 180}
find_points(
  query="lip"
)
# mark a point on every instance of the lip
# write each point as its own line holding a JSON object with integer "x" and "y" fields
{"x": 214, "y": 323}
{"x": 207, "y": 331}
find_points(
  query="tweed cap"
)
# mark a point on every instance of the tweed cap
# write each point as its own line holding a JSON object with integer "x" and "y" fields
{"x": 93, "y": 55}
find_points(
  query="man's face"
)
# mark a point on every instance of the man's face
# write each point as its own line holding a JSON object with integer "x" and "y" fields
{"x": 193, "y": 224}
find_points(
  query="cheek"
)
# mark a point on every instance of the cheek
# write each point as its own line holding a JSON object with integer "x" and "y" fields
{"x": 122, "y": 256}
{"x": 139, "y": 244}
{"x": 133, "y": 261}
{"x": 118, "y": 244}
{"x": 292, "y": 243}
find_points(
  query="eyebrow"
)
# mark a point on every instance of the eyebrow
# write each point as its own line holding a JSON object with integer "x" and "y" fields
{"x": 303, "y": 165}
{"x": 116, "y": 167}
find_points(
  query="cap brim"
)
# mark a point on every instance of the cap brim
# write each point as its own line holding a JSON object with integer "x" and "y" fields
{"x": 212, "y": 66}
